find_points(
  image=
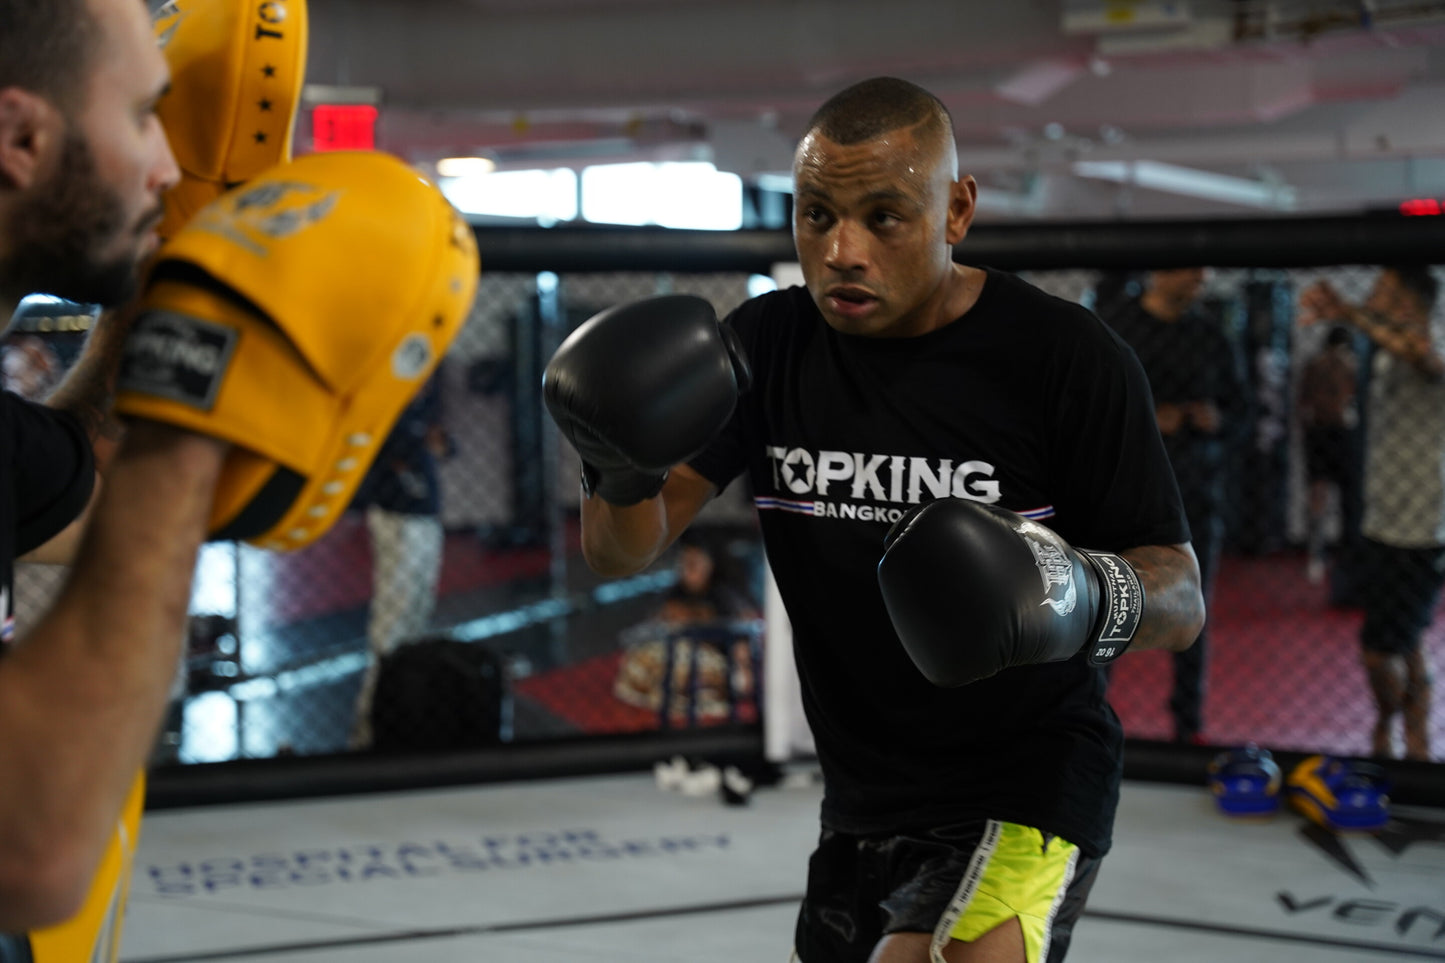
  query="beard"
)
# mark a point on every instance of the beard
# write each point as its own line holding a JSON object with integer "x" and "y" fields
{"x": 57, "y": 235}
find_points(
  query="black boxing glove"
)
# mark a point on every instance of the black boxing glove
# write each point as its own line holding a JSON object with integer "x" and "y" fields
{"x": 641, "y": 387}
{"x": 972, "y": 590}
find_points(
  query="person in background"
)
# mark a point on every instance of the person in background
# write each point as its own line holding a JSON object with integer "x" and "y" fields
{"x": 1404, "y": 519}
{"x": 699, "y": 627}
{"x": 29, "y": 367}
{"x": 1330, "y": 419}
{"x": 401, "y": 500}
{"x": 702, "y": 592}
{"x": 1197, "y": 379}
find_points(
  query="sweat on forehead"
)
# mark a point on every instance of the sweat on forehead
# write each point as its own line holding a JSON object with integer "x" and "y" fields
{"x": 903, "y": 156}
{"x": 872, "y": 109}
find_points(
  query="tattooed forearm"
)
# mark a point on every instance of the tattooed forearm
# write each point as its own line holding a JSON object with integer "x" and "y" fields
{"x": 89, "y": 388}
{"x": 1173, "y": 603}
{"x": 89, "y": 399}
{"x": 1410, "y": 342}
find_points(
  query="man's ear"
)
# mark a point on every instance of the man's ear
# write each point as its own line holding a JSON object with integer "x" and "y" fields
{"x": 962, "y": 203}
{"x": 29, "y": 129}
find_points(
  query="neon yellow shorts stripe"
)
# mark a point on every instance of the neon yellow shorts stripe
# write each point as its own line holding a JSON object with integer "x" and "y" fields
{"x": 1013, "y": 874}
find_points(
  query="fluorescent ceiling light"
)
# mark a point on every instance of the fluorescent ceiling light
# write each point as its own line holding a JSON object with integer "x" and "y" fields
{"x": 688, "y": 194}
{"x": 465, "y": 166}
{"x": 1173, "y": 179}
{"x": 547, "y": 195}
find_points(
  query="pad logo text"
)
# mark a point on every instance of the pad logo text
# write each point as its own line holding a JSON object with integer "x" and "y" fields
{"x": 172, "y": 356}
{"x": 272, "y": 211}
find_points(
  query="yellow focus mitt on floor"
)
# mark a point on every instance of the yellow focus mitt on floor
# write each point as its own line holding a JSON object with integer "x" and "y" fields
{"x": 236, "y": 72}
{"x": 295, "y": 317}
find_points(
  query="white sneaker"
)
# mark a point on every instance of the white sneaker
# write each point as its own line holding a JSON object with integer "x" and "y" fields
{"x": 670, "y": 775}
{"x": 705, "y": 780}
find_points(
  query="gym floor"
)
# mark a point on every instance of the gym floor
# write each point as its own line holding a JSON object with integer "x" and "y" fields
{"x": 613, "y": 868}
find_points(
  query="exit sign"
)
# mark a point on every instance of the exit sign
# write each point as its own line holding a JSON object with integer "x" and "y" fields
{"x": 343, "y": 127}
{"x": 1420, "y": 206}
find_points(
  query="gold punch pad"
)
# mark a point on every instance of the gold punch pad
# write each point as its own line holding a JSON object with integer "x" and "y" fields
{"x": 237, "y": 67}
{"x": 338, "y": 281}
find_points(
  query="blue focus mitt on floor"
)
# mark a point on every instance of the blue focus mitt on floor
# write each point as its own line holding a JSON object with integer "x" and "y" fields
{"x": 1245, "y": 781}
{"x": 1340, "y": 794}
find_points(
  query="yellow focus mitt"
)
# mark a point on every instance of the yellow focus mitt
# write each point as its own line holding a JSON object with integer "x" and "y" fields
{"x": 295, "y": 317}
{"x": 236, "y": 72}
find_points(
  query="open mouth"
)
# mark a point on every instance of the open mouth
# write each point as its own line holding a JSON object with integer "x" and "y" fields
{"x": 850, "y": 301}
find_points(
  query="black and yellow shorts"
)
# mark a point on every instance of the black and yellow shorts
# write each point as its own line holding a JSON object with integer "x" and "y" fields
{"x": 956, "y": 882}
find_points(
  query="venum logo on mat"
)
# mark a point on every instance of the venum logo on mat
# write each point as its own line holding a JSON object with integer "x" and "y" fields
{"x": 1406, "y": 919}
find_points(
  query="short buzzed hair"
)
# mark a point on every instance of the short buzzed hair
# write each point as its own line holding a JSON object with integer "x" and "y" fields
{"x": 46, "y": 47}
{"x": 872, "y": 108}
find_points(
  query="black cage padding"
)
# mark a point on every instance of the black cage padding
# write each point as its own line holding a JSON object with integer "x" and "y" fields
{"x": 1243, "y": 242}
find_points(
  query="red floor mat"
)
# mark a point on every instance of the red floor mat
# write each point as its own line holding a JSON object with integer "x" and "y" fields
{"x": 334, "y": 574}
{"x": 1284, "y": 667}
{"x": 1283, "y": 671}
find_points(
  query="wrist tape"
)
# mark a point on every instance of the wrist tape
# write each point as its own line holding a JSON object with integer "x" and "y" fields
{"x": 1121, "y": 606}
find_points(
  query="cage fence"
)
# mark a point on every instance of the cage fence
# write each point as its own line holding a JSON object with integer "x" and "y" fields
{"x": 454, "y": 612}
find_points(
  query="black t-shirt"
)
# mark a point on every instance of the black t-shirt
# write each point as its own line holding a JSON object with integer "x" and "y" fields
{"x": 1028, "y": 402}
{"x": 47, "y": 473}
{"x": 404, "y": 476}
{"x": 1186, "y": 360}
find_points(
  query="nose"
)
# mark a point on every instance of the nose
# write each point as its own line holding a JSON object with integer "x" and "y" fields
{"x": 165, "y": 172}
{"x": 847, "y": 248}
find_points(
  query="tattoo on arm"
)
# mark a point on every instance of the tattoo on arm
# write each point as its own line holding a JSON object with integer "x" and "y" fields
{"x": 88, "y": 391}
{"x": 1173, "y": 602}
{"x": 1408, "y": 342}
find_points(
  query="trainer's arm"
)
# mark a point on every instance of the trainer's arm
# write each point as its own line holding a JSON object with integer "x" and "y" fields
{"x": 619, "y": 541}
{"x": 88, "y": 393}
{"x": 81, "y": 695}
{"x": 88, "y": 390}
{"x": 62, "y": 548}
{"x": 1173, "y": 599}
